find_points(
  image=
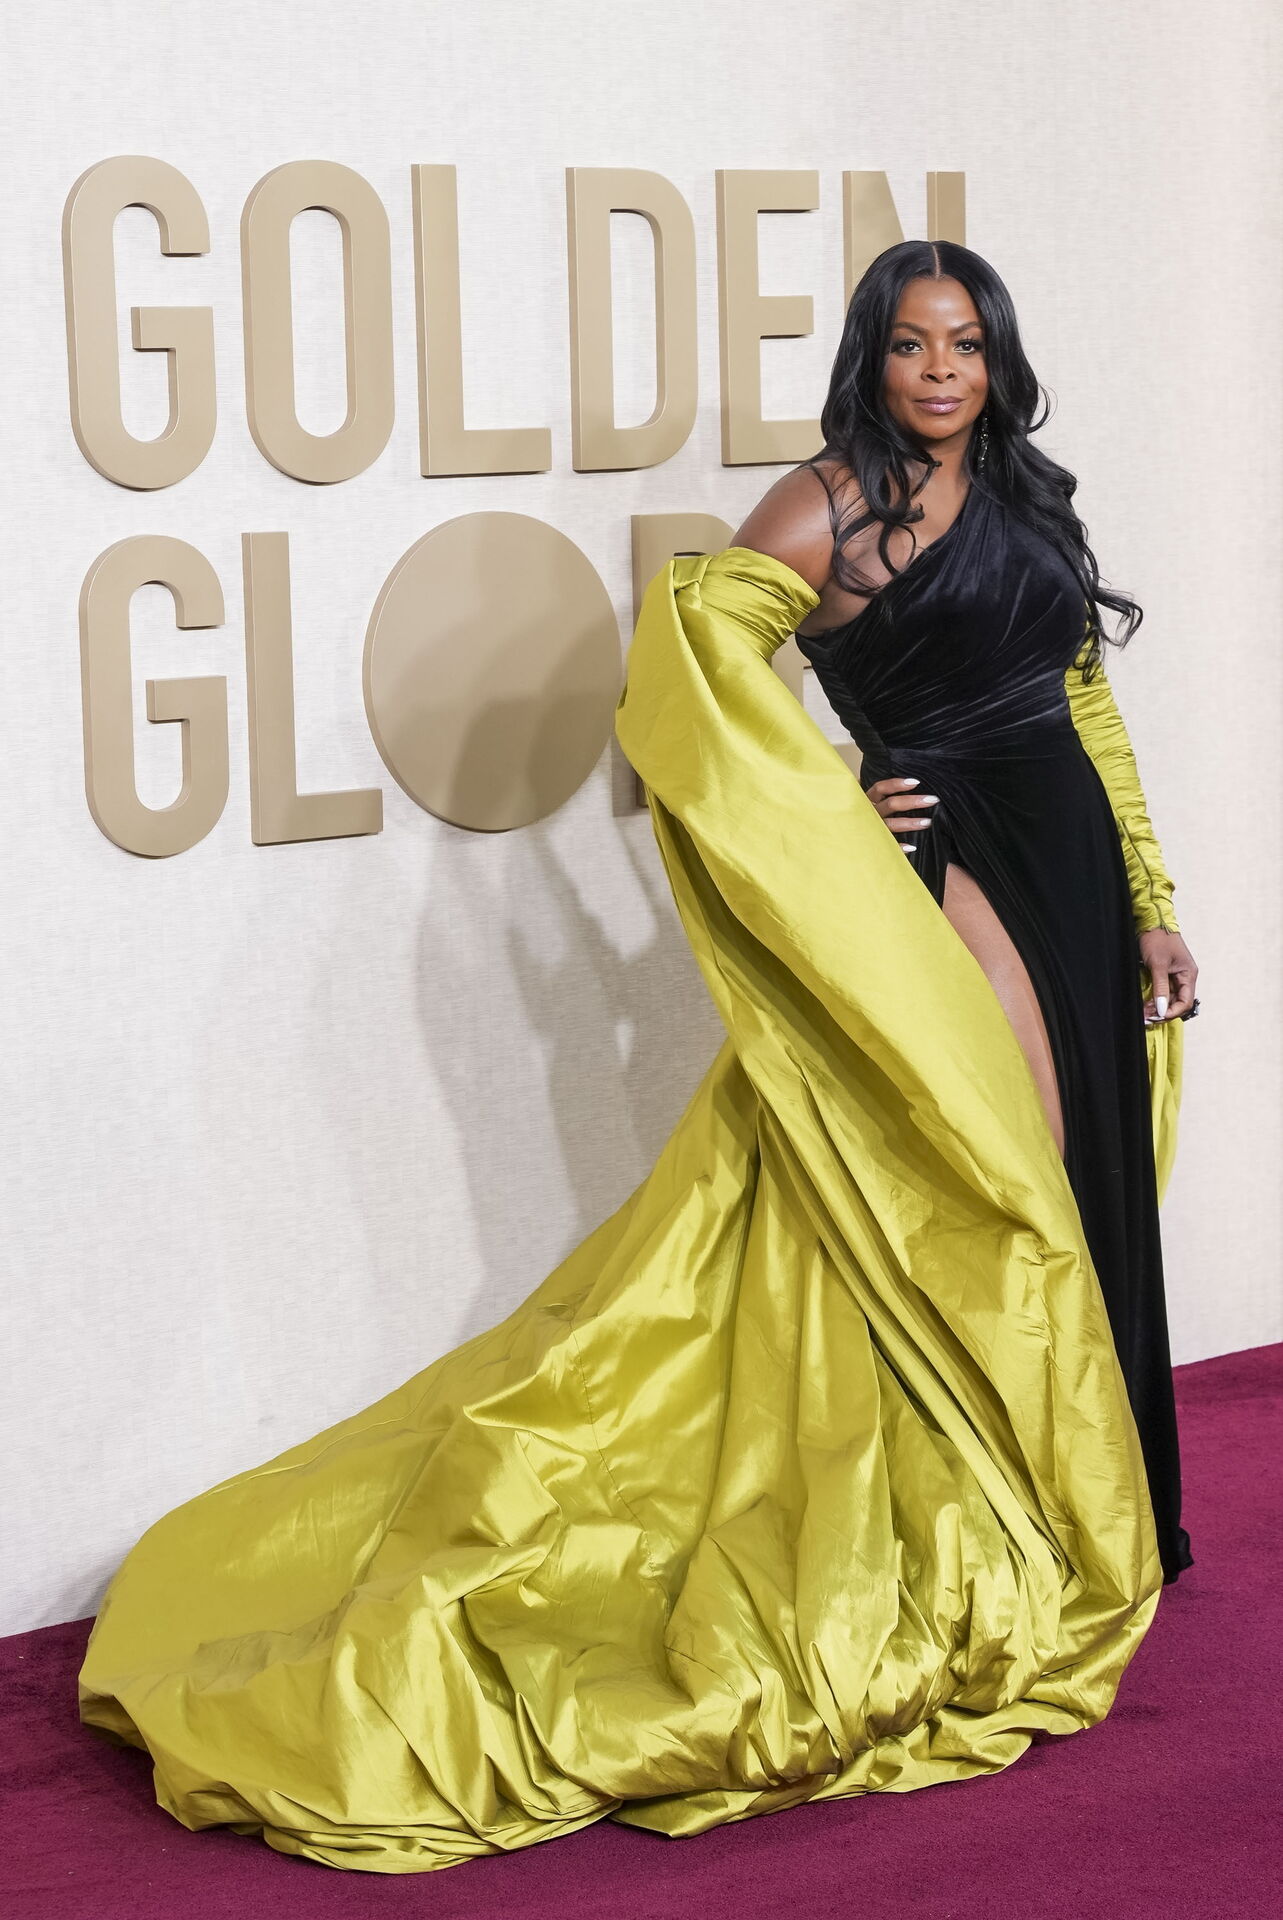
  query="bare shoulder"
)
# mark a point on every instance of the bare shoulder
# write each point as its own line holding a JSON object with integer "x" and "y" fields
{"x": 792, "y": 522}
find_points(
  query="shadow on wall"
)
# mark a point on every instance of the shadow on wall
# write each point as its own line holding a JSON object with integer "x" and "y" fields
{"x": 420, "y": 1121}
{"x": 565, "y": 1064}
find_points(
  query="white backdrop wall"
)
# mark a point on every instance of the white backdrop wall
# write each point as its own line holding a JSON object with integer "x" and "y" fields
{"x": 284, "y": 1123}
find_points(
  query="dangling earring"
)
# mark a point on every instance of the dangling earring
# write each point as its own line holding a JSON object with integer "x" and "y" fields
{"x": 982, "y": 445}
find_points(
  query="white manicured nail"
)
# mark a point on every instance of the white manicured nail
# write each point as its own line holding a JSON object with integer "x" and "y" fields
{"x": 1160, "y": 1001}
{"x": 913, "y": 848}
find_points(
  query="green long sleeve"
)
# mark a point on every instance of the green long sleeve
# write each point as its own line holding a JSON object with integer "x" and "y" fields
{"x": 1101, "y": 730}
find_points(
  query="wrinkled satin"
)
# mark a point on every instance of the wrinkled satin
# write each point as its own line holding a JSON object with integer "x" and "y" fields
{"x": 809, "y": 1472}
{"x": 1100, "y": 726}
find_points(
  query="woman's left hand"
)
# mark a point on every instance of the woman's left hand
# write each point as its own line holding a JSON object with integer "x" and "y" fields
{"x": 1173, "y": 974}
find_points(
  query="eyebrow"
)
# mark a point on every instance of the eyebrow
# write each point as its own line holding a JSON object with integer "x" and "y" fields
{"x": 960, "y": 328}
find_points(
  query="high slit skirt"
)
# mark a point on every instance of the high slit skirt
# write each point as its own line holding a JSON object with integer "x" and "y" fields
{"x": 1036, "y": 830}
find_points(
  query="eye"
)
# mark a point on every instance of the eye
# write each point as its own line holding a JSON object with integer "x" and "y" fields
{"x": 973, "y": 343}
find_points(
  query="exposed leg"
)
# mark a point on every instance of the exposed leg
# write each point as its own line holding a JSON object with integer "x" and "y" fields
{"x": 976, "y": 920}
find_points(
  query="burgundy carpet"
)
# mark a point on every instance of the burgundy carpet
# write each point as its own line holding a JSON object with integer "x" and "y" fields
{"x": 1172, "y": 1807}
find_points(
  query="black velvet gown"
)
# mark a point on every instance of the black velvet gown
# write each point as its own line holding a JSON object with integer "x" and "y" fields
{"x": 955, "y": 672}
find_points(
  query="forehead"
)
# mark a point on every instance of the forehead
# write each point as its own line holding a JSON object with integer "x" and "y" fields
{"x": 936, "y": 303}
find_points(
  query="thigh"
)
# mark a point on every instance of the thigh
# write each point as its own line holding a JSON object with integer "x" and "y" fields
{"x": 978, "y": 924}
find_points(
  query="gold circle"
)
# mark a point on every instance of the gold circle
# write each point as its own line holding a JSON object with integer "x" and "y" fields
{"x": 492, "y": 670}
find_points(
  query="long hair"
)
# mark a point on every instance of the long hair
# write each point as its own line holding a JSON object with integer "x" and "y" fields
{"x": 862, "y": 435}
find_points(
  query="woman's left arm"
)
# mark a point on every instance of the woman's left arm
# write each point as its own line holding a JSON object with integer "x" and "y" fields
{"x": 1171, "y": 966}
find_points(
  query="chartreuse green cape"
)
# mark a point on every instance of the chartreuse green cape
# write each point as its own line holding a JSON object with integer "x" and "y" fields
{"x": 809, "y": 1473}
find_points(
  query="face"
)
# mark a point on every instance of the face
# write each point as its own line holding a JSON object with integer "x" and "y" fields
{"x": 936, "y": 383}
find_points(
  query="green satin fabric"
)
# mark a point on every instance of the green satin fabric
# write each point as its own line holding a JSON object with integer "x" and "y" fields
{"x": 809, "y": 1472}
{"x": 1101, "y": 729}
{"x": 1103, "y": 733}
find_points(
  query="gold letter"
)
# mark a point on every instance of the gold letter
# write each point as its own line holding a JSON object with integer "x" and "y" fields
{"x": 278, "y": 811}
{"x": 269, "y": 320}
{"x": 184, "y": 334}
{"x": 492, "y": 669}
{"x": 199, "y": 705}
{"x": 445, "y": 444}
{"x": 947, "y": 207}
{"x": 870, "y": 223}
{"x": 592, "y": 195}
{"x": 748, "y": 316}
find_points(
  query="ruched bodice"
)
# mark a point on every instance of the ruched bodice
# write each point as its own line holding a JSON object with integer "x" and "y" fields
{"x": 954, "y": 673}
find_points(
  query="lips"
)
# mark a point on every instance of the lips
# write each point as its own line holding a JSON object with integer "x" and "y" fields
{"x": 938, "y": 406}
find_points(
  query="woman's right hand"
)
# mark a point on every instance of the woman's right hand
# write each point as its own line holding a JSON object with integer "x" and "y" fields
{"x": 899, "y": 807}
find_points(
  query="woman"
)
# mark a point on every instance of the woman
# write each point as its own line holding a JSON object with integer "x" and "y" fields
{"x": 932, "y": 395}
{"x": 812, "y": 1471}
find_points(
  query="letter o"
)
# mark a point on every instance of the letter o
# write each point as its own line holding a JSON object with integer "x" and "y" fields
{"x": 492, "y": 670}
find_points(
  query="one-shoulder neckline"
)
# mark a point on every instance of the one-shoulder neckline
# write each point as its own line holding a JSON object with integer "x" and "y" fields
{"x": 844, "y": 626}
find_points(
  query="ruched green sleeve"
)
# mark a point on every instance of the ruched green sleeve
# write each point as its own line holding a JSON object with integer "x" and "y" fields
{"x": 1101, "y": 730}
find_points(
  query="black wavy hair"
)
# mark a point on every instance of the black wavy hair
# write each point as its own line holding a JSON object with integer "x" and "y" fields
{"x": 862, "y": 436}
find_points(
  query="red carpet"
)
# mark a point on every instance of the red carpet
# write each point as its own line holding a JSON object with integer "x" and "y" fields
{"x": 1172, "y": 1807}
